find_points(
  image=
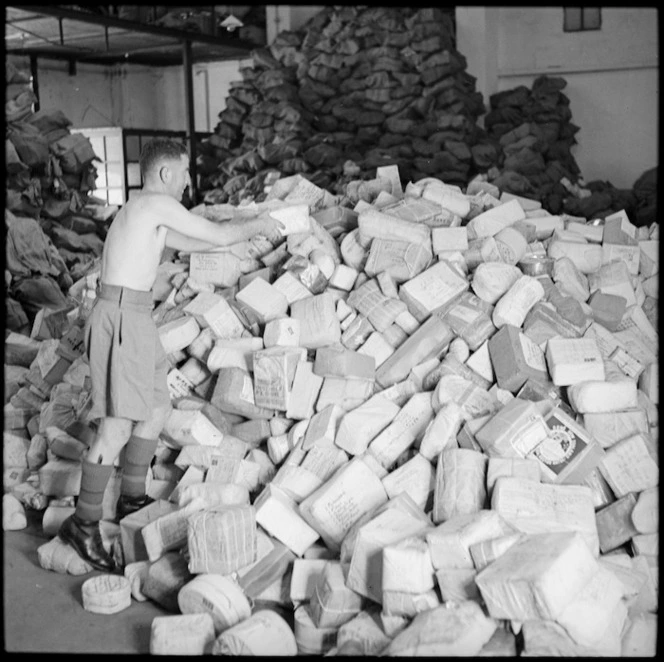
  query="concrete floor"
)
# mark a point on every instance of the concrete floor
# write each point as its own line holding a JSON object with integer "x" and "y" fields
{"x": 43, "y": 611}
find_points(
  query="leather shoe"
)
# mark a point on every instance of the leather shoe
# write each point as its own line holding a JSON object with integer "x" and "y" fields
{"x": 127, "y": 505}
{"x": 85, "y": 537}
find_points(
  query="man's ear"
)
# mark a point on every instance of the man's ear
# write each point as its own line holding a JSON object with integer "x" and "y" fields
{"x": 165, "y": 174}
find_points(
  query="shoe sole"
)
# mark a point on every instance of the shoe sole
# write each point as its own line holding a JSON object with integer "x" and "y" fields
{"x": 93, "y": 563}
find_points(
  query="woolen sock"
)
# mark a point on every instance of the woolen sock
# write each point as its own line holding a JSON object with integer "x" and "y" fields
{"x": 94, "y": 479}
{"x": 138, "y": 455}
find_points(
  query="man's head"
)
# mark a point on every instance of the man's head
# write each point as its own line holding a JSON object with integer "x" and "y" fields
{"x": 165, "y": 166}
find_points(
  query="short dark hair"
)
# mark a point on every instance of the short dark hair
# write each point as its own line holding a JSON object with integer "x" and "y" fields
{"x": 160, "y": 148}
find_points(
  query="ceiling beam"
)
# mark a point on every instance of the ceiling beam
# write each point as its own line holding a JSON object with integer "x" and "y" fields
{"x": 163, "y": 60}
{"x": 110, "y": 21}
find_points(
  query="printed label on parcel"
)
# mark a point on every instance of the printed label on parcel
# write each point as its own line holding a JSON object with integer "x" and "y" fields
{"x": 561, "y": 447}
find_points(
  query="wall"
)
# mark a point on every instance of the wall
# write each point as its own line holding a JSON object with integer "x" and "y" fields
{"x": 134, "y": 96}
{"x": 87, "y": 98}
{"x": 613, "y": 91}
{"x": 287, "y": 17}
{"x": 97, "y": 95}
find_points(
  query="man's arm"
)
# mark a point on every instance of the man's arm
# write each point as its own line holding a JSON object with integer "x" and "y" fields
{"x": 174, "y": 216}
{"x": 181, "y": 242}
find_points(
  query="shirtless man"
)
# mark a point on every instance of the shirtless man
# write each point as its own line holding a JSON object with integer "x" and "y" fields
{"x": 128, "y": 365}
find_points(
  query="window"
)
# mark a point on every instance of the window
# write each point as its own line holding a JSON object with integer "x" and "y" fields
{"x": 107, "y": 145}
{"x": 577, "y": 19}
{"x": 119, "y": 150}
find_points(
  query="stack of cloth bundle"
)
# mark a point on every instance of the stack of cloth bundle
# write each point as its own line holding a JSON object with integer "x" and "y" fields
{"x": 55, "y": 228}
{"x": 374, "y": 86}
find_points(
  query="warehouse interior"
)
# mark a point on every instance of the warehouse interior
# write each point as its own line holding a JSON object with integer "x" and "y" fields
{"x": 423, "y": 420}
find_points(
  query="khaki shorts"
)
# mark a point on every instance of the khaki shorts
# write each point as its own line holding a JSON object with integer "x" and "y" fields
{"x": 128, "y": 365}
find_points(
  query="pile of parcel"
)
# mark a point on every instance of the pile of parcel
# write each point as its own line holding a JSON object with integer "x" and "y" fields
{"x": 425, "y": 423}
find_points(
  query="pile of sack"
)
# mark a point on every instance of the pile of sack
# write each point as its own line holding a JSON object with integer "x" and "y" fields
{"x": 535, "y": 133}
{"x": 55, "y": 228}
{"x": 373, "y": 86}
{"x": 358, "y": 88}
{"x": 424, "y": 423}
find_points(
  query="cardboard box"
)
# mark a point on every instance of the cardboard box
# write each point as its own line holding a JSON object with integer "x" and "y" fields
{"x": 611, "y": 427}
{"x": 335, "y": 506}
{"x": 515, "y": 359}
{"x": 273, "y": 562}
{"x": 470, "y": 318}
{"x": 442, "y": 431}
{"x": 322, "y": 428}
{"x": 378, "y": 347}
{"x": 178, "y": 334}
{"x": 431, "y": 289}
{"x": 190, "y": 427}
{"x": 374, "y": 224}
{"x": 366, "y": 567}
{"x": 278, "y": 515}
{"x": 449, "y": 239}
{"x": 462, "y": 631}
{"x": 570, "y": 279}
{"x": 460, "y": 483}
{"x": 492, "y": 221}
{"x": 337, "y": 361}
{"x": 538, "y": 577}
{"x": 346, "y": 393}
{"x": 630, "y": 465}
{"x": 234, "y": 393}
{"x": 403, "y": 260}
{"x": 274, "y": 372}
{"x": 569, "y": 453}
{"x": 370, "y": 302}
{"x": 213, "y": 311}
{"x": 319, "y": 323}
{"x": 614, "y": 523}
{"x": 264, "y": 300}
{"x": 403, "y": 431}
{"x": 416, "y": 477}
{"x": 586, "y": 257}
{"x": 539, "y": 507}
{"x": 513, "y": 431}
{"x": 429, "y": 340}
{"x": 133, "y": 545}
{"x": 304, "y": 392}
{"x": 333, "y": 603}
{"x": 407, "y": 567}
{"x": 220, "y": 268}
{"x": 487, "y": 551}
{"x": 574, "y": 360}
{"x": 361, "y": 425}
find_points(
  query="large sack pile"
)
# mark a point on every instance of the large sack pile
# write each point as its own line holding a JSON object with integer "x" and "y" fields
{"x": 55, "y": 229}
{"x": 426, "y": 425}
{"x": 374, "y": 86}
{"x": 536, "y": 135}
{"x": 358, "y": 88}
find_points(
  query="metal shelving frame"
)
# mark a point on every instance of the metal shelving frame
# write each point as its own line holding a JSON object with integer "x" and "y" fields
{"x": 178, "y": 44}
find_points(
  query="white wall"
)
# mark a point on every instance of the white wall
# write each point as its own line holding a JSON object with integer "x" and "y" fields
{"x": 612, "y": 77}
{"x": 88, "y": 98}
{"x": 287, "y": 17}
{"x": 134, "y": 96}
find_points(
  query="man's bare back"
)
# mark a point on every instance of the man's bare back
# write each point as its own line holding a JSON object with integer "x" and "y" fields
{"x": 134, "y": 244}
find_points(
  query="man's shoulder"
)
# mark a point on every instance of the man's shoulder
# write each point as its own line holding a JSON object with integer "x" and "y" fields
{"x": 148, "y": 204}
